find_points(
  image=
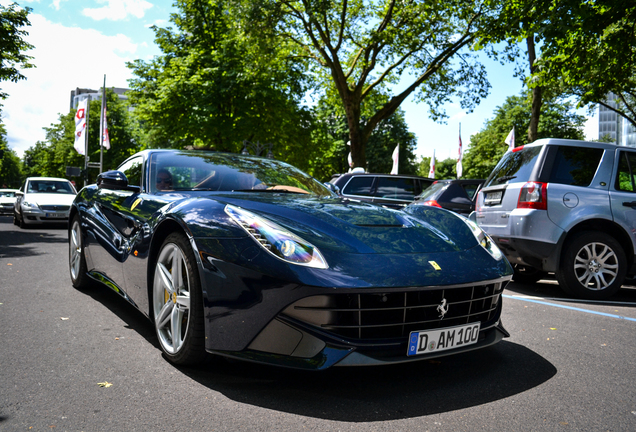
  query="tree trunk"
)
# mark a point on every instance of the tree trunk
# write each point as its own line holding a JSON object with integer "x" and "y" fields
{"x": 536, "y": 94}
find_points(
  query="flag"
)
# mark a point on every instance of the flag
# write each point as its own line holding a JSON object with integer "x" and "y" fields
{"x": 510, "y": 139}
{"x": 459, "y": 167}
{"x": 396, "y": 156}
{"x": 431, "y": 171}
{"x": 350, "y": 161}
{"x": 105, "y": 136}
{"x": 80, "y": 126}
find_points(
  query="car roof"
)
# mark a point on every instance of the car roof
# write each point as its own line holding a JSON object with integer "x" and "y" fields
{"x": 9, "y": 190}
{"x": 571, "y": 143}
{"x": 47, "y": 178}
{"x": 381, "y": 175}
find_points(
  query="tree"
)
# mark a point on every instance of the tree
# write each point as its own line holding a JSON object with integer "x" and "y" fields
{"x": 445, "y": 169}
{"x": 215, "y": 86}
{"x": 359, "y": 47}
{"x": 588, "y": 50}
{"x": 10, "y": 166}
{"x": 487, "y": 146}
{"x": 12, "y": 45}
{"x": 331, "y": 134}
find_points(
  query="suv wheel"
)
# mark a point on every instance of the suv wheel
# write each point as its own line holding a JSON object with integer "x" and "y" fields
{"x": 527, "y": 275}
{"x": 593, "y": 266}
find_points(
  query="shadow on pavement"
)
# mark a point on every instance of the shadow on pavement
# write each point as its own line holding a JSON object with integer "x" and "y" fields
{"x": 19, "y": 242}
{"x": 380, "y": 393}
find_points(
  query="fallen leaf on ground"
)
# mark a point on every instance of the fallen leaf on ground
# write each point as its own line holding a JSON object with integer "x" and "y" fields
{"x": 104, "y": 384}
{"x": 63, "y": 319}
{"x": 9, "y": 264}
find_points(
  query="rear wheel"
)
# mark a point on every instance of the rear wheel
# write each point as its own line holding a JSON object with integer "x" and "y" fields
{"x": 76, "y": 258}
{"x": 177, "y": 304}
{"x": 527, "y": 275}
{"x": 593, "y": 266}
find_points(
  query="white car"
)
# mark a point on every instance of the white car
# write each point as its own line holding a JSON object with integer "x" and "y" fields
{"x": 7, "y": 200}
{"x": 43, "y": 200}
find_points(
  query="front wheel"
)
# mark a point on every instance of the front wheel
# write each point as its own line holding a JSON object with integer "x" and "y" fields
{"x": 177, "y": 304}
{"x": 593, "y": 266}
{"x": 76, "y": 258}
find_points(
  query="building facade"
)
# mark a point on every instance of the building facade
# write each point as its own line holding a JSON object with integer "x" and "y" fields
{"x": 616, "y": 126}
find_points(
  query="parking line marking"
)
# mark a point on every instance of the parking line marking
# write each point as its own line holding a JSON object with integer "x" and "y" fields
{"x": 569, "y": 307}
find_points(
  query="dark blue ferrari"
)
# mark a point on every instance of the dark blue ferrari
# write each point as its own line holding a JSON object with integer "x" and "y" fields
{"x": 251, "y": 258}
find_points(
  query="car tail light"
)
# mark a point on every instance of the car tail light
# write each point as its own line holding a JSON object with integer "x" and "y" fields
{"x": 533, "y": 195}
{"x": 432, "y": 203}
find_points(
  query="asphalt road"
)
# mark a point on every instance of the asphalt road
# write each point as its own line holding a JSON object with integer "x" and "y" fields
{"x": 568, "y": 366}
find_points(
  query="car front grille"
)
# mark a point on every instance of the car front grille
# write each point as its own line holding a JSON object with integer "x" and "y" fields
{"x": 59, "y": 208}
{"x": 394, "y": 314}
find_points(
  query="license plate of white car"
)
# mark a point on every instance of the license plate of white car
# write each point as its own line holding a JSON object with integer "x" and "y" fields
{"x": 429, "y": 341}
{"x": 54, "y": 215}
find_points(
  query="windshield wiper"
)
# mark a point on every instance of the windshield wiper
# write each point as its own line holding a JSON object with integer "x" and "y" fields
{"x": 505, "y": 178}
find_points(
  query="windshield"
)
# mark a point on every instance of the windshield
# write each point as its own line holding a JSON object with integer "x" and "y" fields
{"x": 191, "y": 171}
{"x": 50, "y": 186}
{"x": 514, "y": 167}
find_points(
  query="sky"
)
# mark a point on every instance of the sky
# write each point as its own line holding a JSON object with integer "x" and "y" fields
{"x": 78, "y": 42}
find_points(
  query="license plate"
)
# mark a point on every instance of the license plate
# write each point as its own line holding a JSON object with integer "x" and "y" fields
{"x": 54, "y": 215}
{"x": 493, "y": 198}
{"x": 429, "y": 341}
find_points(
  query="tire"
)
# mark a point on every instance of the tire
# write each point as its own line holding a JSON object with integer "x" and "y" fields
{"x": 527, "y": 275}
{"x": 21, "y": 223}
{"x": 593, "y": 266}
{"x": 76, "y": 258}
{"x": 177, "y": 308}
{"x": 15, "y": 219}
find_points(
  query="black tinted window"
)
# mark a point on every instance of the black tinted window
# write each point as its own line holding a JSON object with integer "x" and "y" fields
{"x": 359, "y": 186}
{"x": 397, "y": 188}
{"x": 575, "y": 166}
{"x": 514, "y": 167}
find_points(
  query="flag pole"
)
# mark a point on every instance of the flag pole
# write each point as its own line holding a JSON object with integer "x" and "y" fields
{"x": 86, "y": 157}
{"x": 101, "y": 128}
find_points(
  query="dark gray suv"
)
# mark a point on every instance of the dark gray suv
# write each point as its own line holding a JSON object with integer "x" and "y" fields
{"x": 567, "y": 207}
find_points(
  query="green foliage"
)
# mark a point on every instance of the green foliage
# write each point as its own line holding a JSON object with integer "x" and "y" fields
{"x": 10, "y": 165}
{"x": 215, "y": 86}
{"x": 52, "y": 156}
{"x": 360, "y": 48}
{"x": 487, "y": 146}
{"x": 12, "y": 45}
{"x": 331, "y": 135}
{"x": 446, "y": 169}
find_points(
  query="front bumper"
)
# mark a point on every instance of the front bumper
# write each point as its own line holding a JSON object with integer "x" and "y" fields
{"x": 37, "y": 216}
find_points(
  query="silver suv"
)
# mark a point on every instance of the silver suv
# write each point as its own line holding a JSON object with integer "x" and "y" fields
{"x": 567, "y": 207}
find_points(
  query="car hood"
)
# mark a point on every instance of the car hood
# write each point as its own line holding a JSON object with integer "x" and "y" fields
{"x": 49, "y": 198}
{"x": 358, "y": 227}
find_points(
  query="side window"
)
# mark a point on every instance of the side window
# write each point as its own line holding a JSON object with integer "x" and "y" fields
{"x": 359, "y": 186}
{"x": 575, "y": 166}
{"x": 470, "y": 190}
{"x": 625, "y": 180}
{"x": 396, "y": 188}
{"x": 132, "y": 169}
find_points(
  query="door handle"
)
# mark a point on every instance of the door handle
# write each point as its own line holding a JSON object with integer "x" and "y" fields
{"x": 629, "y": 204}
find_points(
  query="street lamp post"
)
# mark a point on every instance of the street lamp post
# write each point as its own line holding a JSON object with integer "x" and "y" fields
{"x": 257, "y": 148}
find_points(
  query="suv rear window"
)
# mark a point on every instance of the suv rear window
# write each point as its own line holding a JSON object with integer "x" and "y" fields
{"x": 575, "y": 166}
{"x": 515, "y": 166}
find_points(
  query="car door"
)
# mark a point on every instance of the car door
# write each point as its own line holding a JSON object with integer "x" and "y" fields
{"x": 111, "y": 228}
{"x": 623, "y": 191}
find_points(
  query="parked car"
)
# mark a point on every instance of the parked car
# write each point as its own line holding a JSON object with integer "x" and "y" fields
{"x": 253, "y": 259}
{"x": 7, "y": 200}
{"x": 568, "y": 207}
{"x": 43, "y": 200}
{"x": 395, "y": 191}
{"x": 454, "y": 194}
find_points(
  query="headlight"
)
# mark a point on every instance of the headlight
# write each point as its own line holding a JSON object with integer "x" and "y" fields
{"x": 276, "y": 240}
{"x": 484, "y": 239}
{"x": 29, "y": 204}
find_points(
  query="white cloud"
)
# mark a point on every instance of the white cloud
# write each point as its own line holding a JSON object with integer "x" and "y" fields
{"x": 118, "y": 9}
{"x": 66, "y": 58}
{"x": 591, "y": 127}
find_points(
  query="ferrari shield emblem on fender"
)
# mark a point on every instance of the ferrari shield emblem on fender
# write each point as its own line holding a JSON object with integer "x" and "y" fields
{"x": 435, "y": 265}
{"x": 137, "y": 201}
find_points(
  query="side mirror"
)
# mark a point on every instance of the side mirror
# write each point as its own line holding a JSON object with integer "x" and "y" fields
{"x": 115, "y": 180}
{"x": 332, "y": 187}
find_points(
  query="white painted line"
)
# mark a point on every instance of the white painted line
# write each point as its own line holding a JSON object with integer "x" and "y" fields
{"x": 534, "y": 300}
